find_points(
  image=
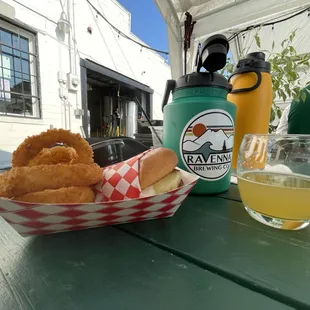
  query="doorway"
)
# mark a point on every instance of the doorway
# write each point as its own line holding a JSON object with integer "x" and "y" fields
{"x": 110, "y": 101}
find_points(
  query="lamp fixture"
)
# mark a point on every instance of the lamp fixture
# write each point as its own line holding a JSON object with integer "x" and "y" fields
{"x": 63, "y": 24}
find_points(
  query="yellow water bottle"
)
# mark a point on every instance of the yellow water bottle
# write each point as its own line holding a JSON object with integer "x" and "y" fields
{"x": 252, "y": 94}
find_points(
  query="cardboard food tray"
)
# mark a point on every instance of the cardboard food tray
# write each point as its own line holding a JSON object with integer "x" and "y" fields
{"x": 37, "y": 219}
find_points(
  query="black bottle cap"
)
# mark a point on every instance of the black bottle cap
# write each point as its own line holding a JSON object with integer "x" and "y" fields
{"x": 213, "y": 53}
{"x": 253, "y": 62}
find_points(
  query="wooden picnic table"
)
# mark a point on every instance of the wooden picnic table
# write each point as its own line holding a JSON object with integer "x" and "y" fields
{"x": 210, "y": 255}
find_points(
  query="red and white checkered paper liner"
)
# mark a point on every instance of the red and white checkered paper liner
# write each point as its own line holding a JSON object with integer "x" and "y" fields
{"x": 37, "y": 219}
{"x": 120, "y": 181}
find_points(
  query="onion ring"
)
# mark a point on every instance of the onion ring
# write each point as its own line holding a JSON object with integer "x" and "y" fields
{"x": 53, "y": 156}
{"x": 23, "y": 180}
{"x": 62, "y": 195}
{"x": 34, "y": 144}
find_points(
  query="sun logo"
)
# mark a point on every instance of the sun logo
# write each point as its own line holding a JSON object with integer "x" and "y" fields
{"x": 199, "y": 129}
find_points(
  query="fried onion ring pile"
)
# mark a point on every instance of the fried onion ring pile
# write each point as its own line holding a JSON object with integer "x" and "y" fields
{"x": 53, "y": 156}
{"x": 45, "y": 173}
{"x": 81, "y": 194}
{"x": 34, "y": 144}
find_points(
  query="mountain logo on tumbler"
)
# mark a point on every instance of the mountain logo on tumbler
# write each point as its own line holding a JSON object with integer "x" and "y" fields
{"x": 206, "y": 144}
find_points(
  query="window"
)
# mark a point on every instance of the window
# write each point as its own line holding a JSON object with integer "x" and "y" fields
{"x": 19, "y": 95}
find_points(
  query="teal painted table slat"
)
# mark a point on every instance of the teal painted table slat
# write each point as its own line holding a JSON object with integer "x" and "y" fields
{"x": 231, "y": 194}
{"x": 217, "y": 234}
{"x": 105, "y": 268}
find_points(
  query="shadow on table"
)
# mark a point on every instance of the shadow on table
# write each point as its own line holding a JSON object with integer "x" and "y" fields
{"x": 82, "y": 269}
{"x": 75, "y": 243}
{"x": 89, "y": 250}
{"x": 90, "y": 268}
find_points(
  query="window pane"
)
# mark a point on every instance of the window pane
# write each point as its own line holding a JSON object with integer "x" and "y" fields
{"x": 27, "y": 87}
{"x": 30, "y": 103}
{"x": 6, "y": 49}
{"x": 24, "y": 45}
{"x": 17, "y": 64}
{"x": 6, "y": 38}
{"x": 15, "y": 41}
{"x": 16, "y": 52}
{"x": 6, "y": 61}
{"x": 25, "y": 67}
{"x": 25, "y": 56}
{"x": 18, "y": 87}
{"x": 4, "y": 89}
{"x": 5, "y": 73}
{"x": 15, "y": 105}
{"x": 26, "y": 77}
{"x": 12, "y": 83}
{"x": 4, "y": 95}
{"x": 16, "y": 44}
{"x": 17, "y": 74}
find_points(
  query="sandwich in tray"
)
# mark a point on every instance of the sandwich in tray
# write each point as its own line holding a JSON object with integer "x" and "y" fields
{"x": 54, "y": 185}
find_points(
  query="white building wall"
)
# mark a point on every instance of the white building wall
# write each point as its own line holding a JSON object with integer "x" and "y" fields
{"x": 103, "y": 46}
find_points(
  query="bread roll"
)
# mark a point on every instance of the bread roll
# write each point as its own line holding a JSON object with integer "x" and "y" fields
{"x": 168, "y": 183}
{"x": 155, "y": 165}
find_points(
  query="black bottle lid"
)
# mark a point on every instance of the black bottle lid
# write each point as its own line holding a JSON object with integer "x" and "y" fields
{"x": 205, "y": 79}
{"x": 212, "y": 57}
{"x": 213, "y": 53}
{"x": 253, "y": 62}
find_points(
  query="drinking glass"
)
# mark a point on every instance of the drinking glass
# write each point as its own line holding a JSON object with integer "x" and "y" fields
{"x": 274, "y": 179}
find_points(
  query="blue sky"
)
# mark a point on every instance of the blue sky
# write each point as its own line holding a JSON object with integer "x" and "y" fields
{"x": 147, "y": 22}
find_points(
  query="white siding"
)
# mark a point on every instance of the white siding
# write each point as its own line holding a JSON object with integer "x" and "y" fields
{"x": 103, "y": 46}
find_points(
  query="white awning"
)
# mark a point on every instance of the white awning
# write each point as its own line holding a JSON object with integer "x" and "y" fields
{"x": 216, "y": 16}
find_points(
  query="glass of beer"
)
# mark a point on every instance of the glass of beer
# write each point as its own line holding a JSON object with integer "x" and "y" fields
{"x": 274, "y": 179}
